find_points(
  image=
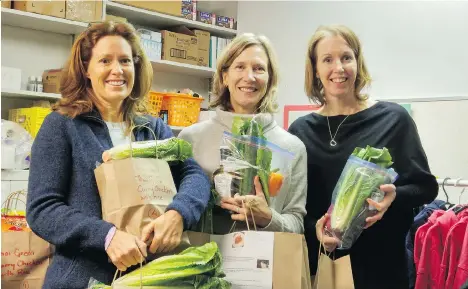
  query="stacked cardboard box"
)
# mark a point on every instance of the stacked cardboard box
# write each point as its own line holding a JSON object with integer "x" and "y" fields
{"x": 183, "y": 45}
{"x": 77, "y": 10}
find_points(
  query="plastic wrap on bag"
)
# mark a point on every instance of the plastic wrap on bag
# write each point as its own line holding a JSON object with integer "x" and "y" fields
{"x": 95, "y": 284}
{"x": 244, "y": 157}
{"x": 360, "y": 179}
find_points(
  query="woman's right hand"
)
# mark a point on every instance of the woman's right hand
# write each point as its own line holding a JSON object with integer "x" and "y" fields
{"x": 330, "y": 243}
{"x": 126, "y": 250}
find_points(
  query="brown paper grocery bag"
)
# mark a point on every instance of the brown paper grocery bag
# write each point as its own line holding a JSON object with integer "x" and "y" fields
{"x": 134, "y": 191}
{"x": 291, "y": 261}
{"x": 334, "y": 274}
{"x": 25, "y": 258}
{"x": 291, "y": 270}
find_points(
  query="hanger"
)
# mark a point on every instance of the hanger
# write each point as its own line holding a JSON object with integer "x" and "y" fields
{"x": 459, "y": 207}
{"x": 450, "y": 205}
{"x": 462, "y": 191}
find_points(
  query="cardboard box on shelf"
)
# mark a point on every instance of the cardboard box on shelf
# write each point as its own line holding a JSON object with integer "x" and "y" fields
{"x": 189, "y": 9}
{"x": 50, "y": 8}
{"x": 84, "y": 10}
{"x": 6, "y": 4}
{"x": 224, "y": 21}
{"x": 180, "y": 45}
{"x": 151, "y": 42}
{"x": 203, "y": 47}
{"x": 51, "y": 80}
{"x": 166, "y": 7}
{"x": 116, "y": 18}
{"x": 206, "y": 17}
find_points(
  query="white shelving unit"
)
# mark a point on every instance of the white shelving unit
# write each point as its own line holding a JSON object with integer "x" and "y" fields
{"x": 154, "y": 19}
{"x": 26, "y": 94}
{"x": 21, "y": 24}
{"x": 35, "y": 21}
{"x": 182, "y": 68}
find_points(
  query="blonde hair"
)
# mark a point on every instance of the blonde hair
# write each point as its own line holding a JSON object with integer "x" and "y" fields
{"x": 313, "y": 86}
{"x": 221, "y": 93}
{"x": 75, "y": 87}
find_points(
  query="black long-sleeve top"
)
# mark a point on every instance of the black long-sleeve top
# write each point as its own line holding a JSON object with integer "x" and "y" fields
{"x": 378, "y": 257}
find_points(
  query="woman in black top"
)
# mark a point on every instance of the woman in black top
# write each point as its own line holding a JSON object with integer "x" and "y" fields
{"x": 335, "y": 75}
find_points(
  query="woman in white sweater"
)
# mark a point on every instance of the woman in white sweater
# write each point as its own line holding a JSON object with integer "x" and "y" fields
{"x": 245, "y": 84}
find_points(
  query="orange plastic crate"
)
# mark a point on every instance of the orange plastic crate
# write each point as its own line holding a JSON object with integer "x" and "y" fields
{"x": 182, "y": 109}
{"x": 155, "y": 100}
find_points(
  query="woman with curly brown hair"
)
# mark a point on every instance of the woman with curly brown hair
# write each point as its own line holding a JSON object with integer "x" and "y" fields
{"x": 104, "y": 84}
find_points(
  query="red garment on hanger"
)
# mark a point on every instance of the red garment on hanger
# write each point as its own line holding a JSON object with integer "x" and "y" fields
{"x": 421, "y": 235}
{"x": 433, "y": 247}
{"x": 452, "y": 252}
{"x": 461, "y": 274}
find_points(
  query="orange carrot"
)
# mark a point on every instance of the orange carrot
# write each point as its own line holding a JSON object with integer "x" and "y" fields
{"x": 274, "y": 183}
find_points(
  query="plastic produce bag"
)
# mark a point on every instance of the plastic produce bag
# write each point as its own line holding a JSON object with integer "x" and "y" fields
{"x": 243, "y": 157}
{"x": 365, "y": 171}
{"x": 14, "y": 136}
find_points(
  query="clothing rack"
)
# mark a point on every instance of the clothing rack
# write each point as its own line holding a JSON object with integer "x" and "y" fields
{"x": 453, "y": 182}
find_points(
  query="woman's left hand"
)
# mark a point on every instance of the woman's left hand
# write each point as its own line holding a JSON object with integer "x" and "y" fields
{"x": 244, "y": 205}
{"x": 164, "y": 233}
{"x": 382, "y": 207}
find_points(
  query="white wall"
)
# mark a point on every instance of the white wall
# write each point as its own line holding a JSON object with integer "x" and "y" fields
{"x": 414, "y": 50}
{"x": 33, "y": 51}
{"x": 444, "y": 135}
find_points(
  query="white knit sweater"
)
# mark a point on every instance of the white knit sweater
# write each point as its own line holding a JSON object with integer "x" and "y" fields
{"x": 288, "y": 207}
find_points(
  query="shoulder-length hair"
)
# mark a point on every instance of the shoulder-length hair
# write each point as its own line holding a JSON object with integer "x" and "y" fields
{"x": 313, "y": 87}
{"x": 76, "y": 89}
{"x": 268, "y": 103}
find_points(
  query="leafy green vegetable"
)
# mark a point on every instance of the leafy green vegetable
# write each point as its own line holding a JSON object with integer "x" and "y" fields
{"x": 379, "y": 157}
{"x": 194, "y": 268}
{"x": 191, "y": 262}
{"x": 205, "y": 282}
{"x": 357, "y": 184}
{"x": 250, "y": 130}
{"x": 170, "y": 150}
{"x": 255, "y": 152}
{"x": 264, "y": 158}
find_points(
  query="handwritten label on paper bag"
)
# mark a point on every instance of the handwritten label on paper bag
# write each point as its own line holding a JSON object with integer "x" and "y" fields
{"x": 21, "y": 258}
{"x": 156, "y": 188}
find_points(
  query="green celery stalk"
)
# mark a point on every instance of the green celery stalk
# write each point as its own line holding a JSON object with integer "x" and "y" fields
{"x": 264, "y": 158}
{"x": 250, "y": 155}
{"x": 358, "y": 185}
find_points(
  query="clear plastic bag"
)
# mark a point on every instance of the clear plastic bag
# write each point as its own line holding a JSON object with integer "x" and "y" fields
{"x": 244, "y": 157}
{"x": 359, "y": 181}
{"x": 19, "y": 139}
{"x": 95, "y": 284}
